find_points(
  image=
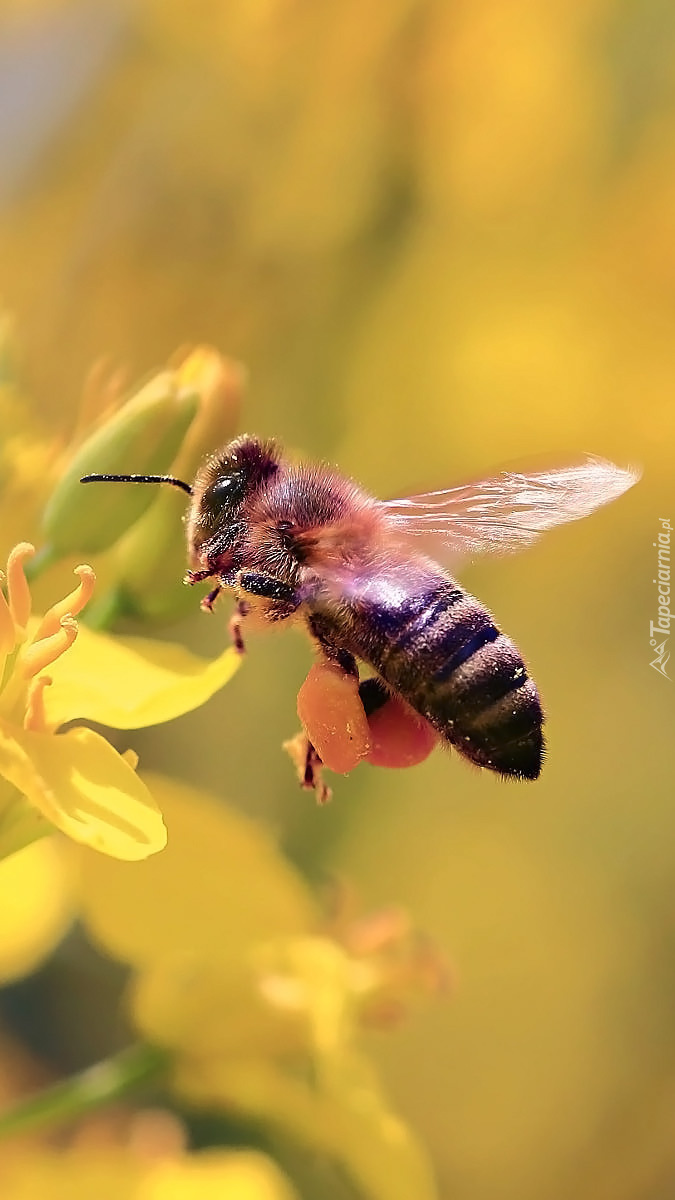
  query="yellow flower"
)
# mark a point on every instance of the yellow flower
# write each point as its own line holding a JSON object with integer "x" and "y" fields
{"x": 259, "y": 1010}
{"x": 81, "y": 1174}
{"x": 221, "y": 882}
{"x": 76, "y": 781}
{"x": 36, "y": 907}
{"x": 272, "y": 1035}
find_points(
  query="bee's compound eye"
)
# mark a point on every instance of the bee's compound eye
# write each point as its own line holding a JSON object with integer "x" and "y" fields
{"x": 224, "y": 490}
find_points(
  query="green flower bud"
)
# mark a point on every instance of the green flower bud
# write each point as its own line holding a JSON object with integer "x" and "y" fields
{"x": 143, "y": 436}
{"x": 151, "y": 556}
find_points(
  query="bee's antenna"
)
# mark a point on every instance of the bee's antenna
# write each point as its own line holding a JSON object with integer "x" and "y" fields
{"x": 179, "y": 483}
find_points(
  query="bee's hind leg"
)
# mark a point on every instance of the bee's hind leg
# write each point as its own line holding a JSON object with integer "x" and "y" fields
{"x": 308, "y": 765}
{"x": 331, "y": 652}
{"x": 313, "y": 777}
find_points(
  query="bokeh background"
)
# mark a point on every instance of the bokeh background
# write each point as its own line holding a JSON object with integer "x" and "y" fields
{"x": 440, "y": 235}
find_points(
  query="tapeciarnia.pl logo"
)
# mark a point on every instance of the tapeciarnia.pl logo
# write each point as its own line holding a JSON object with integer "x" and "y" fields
{"x": 657, "y": 629}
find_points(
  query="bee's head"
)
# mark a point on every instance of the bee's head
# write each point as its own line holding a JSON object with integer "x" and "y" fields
{"x": 221, "y": 493}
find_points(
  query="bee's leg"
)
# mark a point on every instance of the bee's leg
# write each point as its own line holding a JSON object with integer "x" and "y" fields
{"x": 313, "y": 777}
{"x": 374, "y": 695}
{"x": 192, "y": 577}
{"x": 240, "y": 613}
{"x": 308, "y": 765}
{"x": 256, "y": 584}
{"x": 207, "y": 602}
{"x": 331, "y": 652}
{"x": 286, "y": 600}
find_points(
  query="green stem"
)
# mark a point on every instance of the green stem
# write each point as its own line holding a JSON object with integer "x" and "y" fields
{"x": 20, "y": 823}
{"x": 108, "y": 1080}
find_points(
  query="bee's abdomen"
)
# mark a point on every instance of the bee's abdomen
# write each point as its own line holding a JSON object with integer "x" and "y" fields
{"x": 455, "y": 667}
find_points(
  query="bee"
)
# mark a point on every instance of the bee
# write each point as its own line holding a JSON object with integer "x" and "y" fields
{"x": 300, "y": 542}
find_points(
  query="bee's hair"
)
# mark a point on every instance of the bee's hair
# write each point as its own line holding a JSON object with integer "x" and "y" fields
{"x": 258, "y": 459}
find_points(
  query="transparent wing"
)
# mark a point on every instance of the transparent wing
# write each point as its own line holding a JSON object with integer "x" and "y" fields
{"x": 504, "y": 514}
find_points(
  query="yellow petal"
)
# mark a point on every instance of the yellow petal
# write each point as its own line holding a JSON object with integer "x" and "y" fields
{"x": 70, "y": 1175}
{"x": 132, "y": 682}
{"x": 85, "y": 788}
{"x": 240, "y": 1030}
{"x": 214, "y": 1176}
{"x": 345, "y": 1119}
{"x": 221, "y": 882}
{"x": 88, "y": 1174}
{"x": 36, "y": 907}
{"x": 289, "y": 999}
{"x": 211, "y": 1009}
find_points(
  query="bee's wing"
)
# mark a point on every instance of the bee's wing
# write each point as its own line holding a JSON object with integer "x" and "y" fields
{"x": 510, "y": 511}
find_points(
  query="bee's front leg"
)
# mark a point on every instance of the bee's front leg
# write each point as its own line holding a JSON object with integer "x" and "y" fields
{"x": 284, "y": 600}
{"x": 269, "y": 588}
{"x": 207, "y": 602}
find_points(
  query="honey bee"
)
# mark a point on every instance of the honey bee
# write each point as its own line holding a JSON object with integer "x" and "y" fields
{"x": 302, "y": 542}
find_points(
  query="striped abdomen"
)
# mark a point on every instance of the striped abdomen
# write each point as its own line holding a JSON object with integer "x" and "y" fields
{"x": 443, "y": 653}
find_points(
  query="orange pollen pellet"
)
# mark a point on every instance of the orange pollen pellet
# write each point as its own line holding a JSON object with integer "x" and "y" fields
{"x": 70, "y": 605}
{"x": 38, "y": 655}
{"x": 17, "y": 584}
{"x": 35, "y": 718}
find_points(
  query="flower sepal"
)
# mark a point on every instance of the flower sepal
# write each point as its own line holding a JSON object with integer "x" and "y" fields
{"x": 149, "y": 559}
{"x": 143, "y": 436}
{"x": 20, "y": 823}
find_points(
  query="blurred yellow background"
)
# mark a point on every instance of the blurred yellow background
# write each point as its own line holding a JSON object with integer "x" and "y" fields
{"x": 441, "y": 238}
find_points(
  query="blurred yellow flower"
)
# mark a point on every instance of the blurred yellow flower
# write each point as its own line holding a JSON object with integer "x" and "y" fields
{"x": 220, "y": 883}
{"x": 77, "y": 782}
{"x": 36, "y": 907}
{"x": 83, "y": 1175}
{"x": 259, "y": 1011}
{"x": 272, "y": 1035}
